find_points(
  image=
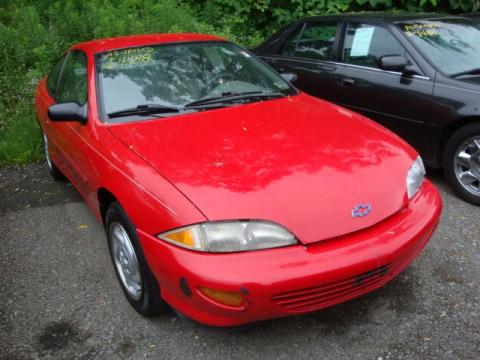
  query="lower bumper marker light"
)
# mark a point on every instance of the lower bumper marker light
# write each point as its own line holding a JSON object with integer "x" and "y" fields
{"x": 230, "y": 298}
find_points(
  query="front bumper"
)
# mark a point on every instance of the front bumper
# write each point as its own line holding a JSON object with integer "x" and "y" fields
{"x": 296, "y": 279}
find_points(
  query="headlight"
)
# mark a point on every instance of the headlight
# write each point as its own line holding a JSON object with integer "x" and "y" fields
{"x": 230, "y": 236}
{"x": 415, "y": 177}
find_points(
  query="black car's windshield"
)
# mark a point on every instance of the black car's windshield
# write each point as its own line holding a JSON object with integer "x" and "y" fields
{"x": 142, "y": 80}
{"x": 453, "y": 45}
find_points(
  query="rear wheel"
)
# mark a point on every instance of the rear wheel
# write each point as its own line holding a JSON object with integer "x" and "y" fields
{"x": 52, "y": 168}
{"x": 137, "y": 281}
{"x": 462, "y": 162}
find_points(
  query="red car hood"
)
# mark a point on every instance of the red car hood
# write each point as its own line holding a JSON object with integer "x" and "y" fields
{"x": 299, "y": 161}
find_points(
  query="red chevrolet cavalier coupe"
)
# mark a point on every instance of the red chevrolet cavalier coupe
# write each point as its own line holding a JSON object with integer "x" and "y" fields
{"x": 225, "y": 192}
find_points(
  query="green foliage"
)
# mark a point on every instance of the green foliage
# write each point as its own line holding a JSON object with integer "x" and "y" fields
{"x": 20, "y": 139}
{"x": 34, "y": 34}
{"x": 259, "y": 18}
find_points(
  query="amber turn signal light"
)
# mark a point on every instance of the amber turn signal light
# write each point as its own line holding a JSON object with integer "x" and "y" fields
{"x": 231, "y": 298}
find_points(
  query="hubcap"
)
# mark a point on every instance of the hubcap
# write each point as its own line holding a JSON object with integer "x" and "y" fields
{"x": 47, "y": 154}
{"x": 467, "y": 165}
{"x": 125, "y": 261}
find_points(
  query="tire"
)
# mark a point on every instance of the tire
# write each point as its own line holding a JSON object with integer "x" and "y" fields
{"x": 136, "y": 279}
{"x": 55, "y": 172}
{"x": 461, "y": 162}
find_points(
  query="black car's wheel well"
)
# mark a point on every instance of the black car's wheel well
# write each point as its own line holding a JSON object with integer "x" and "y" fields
{"x": 105, "y": 198}
{"x": 452, "y": 128}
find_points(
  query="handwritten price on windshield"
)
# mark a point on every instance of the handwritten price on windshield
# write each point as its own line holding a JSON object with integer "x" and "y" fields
{"x": 128, "y": 57}
{"x": 422, "y": 30}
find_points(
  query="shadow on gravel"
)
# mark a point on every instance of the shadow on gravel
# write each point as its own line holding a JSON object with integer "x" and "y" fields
{"x": 31, "y": 186}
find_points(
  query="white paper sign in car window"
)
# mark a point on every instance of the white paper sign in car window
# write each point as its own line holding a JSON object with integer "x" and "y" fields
{"x": 361, "y": 41}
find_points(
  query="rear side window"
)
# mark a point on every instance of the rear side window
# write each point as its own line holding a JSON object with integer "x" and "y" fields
{"x": 365, "y": 44}
{"x": 52, "y": 79}
{"x": 316, "y": 41}
{"x": 73, "y": 81}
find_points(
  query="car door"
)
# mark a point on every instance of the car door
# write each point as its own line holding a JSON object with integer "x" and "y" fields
{"x": 44, "y": 99}
{"x": 403, "y": 103}
{"x": 308, "y": 53}
{"x": 70, "y": 137}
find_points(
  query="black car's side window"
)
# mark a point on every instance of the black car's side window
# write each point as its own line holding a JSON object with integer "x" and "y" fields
{"x": 52, "y": 79}
{"x": 290, "y": 45}
{"x": 73, "y": 81}
{"x": 315, "y": 42}
{"x": 365, "y": 44}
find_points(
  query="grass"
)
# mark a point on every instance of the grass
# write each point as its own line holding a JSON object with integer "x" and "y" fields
{"x": 20, "y": 137}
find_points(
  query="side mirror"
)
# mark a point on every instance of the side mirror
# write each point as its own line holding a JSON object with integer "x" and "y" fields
{"x": 68, "y": 111}
{"x": 393, "y": 63}
{"x": 290, "y": 77}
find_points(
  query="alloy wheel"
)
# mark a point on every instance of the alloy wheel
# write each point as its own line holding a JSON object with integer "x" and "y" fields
{"x": 125, "y": 260}
{"x": 467, "y": 165}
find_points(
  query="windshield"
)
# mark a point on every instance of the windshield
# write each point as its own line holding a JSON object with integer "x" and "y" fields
{"x": 453, "y": 45}
{"x": 176, "y": 75}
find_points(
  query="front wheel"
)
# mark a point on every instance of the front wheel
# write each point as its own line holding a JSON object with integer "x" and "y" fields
{"x": 462, "y": 162}
{"x": 137, "y": 281}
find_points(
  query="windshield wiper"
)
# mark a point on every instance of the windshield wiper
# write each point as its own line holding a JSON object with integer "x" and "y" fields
{"x": 231, "y": 96}
{"x": 143, "y": 109}
{"x": 210, "y": 102}
{"x": 475, "y": 71}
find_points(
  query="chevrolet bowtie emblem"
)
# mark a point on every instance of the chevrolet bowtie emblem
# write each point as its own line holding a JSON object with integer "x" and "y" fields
{"x": 361, "y": 210}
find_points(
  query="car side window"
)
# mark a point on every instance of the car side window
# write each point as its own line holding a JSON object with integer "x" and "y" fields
{"x": 365, "y": 44}
{"x": 289, "y": 46}
{"x": 52, "y": 79}
{"x": 73, "y": 81}
{"x": 316, "y": 41}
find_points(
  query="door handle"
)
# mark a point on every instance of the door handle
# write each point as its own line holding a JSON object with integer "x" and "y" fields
{"x": 346, "y": 82}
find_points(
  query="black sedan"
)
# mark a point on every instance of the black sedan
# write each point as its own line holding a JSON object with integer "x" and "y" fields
{"x": 418, "y": 75}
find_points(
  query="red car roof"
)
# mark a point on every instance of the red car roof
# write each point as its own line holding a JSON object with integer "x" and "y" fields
{"x": 101, "y": 45}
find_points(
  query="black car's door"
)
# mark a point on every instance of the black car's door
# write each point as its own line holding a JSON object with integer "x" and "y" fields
{"x": 308, "y": 52}
{"x": 401, "y": 102}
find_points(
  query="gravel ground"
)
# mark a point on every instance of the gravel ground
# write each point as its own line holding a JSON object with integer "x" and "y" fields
{"x": 60, "y": 299}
